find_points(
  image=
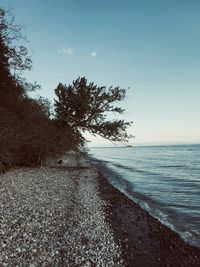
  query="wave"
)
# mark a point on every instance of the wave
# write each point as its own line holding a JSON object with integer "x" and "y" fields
{"x": 172, "y": 166}
{"x": 161, "y": 197}
{"x": 166, "y": 215}
{"x": 133, "y": 169}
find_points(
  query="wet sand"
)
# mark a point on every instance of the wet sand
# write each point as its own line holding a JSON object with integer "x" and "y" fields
{"x": 144, "y": 240}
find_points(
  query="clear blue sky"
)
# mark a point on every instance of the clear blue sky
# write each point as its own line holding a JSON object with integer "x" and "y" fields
{"x": 151, "y": 46}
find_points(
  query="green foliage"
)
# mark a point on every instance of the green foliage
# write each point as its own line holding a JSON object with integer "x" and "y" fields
{"x": 84, "y": 106}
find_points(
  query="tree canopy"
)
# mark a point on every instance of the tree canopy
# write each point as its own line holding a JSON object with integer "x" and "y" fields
{"x": 13, "y": 56}
{"x": 28, "y": 134}
{"x": 84, "y": 106}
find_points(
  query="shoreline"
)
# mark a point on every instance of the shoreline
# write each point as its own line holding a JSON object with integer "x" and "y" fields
{"x": 144, "y": 240}
{"x": 68, "y": 214}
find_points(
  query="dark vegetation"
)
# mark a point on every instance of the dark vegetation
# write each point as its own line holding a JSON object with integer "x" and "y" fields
{"x": 84, "y": 106}
{"x": 29, "y": 132}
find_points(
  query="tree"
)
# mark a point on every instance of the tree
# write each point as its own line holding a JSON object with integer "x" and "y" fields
{"x": 14, "y": 58}
{"x": 84, "y": 106}
{"x": 27, "y": 133}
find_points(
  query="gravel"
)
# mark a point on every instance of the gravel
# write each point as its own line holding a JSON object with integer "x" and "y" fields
{"x": 54, "y": 216}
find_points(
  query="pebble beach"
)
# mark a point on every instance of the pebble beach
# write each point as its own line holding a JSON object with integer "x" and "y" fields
{"x": 67, "y": 214}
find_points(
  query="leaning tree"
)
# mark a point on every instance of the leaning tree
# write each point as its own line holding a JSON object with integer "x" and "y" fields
{"x": 85, "y": 106}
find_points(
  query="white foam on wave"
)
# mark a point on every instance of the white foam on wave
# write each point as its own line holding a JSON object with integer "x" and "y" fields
{"x": 160, "y": 215}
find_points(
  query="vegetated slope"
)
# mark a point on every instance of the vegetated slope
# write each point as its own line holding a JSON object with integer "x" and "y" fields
{"x": 28, "y": 133}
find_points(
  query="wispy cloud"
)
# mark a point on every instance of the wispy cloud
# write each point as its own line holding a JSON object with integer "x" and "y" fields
{"x": 67, "y": 50}
{"x": 93, "y": 54}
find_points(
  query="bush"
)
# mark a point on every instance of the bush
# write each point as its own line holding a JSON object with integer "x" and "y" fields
{"x": 28, "y": 136}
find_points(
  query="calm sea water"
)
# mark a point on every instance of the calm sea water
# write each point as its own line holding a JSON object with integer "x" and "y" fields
{"x": 164, "y": 180}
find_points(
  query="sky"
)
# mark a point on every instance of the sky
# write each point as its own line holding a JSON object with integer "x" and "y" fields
{"x": 149, "y": 46}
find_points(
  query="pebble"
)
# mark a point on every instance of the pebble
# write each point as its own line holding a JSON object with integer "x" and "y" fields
{"x": 51, "y": 215}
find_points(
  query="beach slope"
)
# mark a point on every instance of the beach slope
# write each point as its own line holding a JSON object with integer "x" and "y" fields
{"x": 66, "y": 214}
{"x": 54, "y": 216}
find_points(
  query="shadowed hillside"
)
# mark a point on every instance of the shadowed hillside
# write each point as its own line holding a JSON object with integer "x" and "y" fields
{"x": 28, "y": 134}
{"x": 29, "y": 131}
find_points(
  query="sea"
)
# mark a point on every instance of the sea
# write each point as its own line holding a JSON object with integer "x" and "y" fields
{"x": 164, "y": 180}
